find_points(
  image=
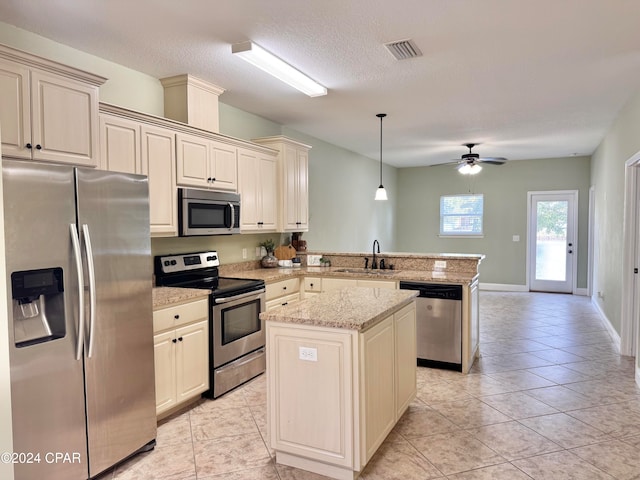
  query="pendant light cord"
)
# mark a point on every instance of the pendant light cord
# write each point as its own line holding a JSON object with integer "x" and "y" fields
{"x": 381, "y": 116}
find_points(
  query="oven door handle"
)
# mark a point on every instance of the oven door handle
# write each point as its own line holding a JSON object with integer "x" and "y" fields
{"x": 238, "y": 297}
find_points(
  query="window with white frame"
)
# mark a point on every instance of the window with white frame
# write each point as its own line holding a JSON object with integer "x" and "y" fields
{"x": 461, "y": 215}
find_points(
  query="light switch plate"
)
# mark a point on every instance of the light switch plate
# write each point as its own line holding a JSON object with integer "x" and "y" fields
{"x": 516, "y": 238}
{"x": 440, "y": 264}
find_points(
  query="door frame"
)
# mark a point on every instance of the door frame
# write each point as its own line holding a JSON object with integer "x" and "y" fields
{"x": 629, "y": 328}
{"x": 531, "y": 253}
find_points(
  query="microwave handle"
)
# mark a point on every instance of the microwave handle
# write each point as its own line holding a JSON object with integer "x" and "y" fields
{"x": 233, "y": 215}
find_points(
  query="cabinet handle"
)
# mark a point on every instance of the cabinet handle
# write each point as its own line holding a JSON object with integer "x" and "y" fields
{"x": 284, "y": 288}
{"x": 29, "y": 146}
{"x": 298, "y": 223}
{"x": 285, "y": 303}
{"x": 174, "y": 340}
{"x": 176, "y": 317}
{"x": 311, "y": 285}
{"x": 213, "y": 179}
{"x": 38, "y": 147}
{"x": 180, "y": 339}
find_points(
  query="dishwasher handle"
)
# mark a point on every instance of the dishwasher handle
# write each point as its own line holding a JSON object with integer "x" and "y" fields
{"x": 434, "y": 290}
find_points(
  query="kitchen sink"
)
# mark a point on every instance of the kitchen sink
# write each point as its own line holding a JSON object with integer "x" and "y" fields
{"x": 364, "y": 271}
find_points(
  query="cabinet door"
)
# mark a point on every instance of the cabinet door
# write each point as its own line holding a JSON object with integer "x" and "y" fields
{"x": 64, "y": 120}
{"x": 120, "y": 145}
{"x": 248, "y": 186}
{"x": 224, "y": 167}
{"x": 193, "y": 161}
{"x": 377, "y": 401}
{"x": 290, "y": 187}
{"x": 268, "y": 192}
{"x": 192, "y": 360}
{"x": 333, "y": 283}
{"x": 15, "y": 110}
{"x": 165, "y": 367}
{"x": 158, "y": 163}
{"x": 302, "y": 193}
{"x": 390, "y": 284}
{"x": 405, "y": 368}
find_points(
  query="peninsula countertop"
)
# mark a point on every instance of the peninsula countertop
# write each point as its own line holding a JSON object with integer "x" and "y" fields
{"x": 350, "y": 308}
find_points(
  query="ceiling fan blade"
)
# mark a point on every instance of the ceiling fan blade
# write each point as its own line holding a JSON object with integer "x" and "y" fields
{"x": 492, "y": 160}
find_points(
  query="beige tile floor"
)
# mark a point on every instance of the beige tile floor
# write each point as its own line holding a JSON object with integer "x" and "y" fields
{"x": 549, "y": 399}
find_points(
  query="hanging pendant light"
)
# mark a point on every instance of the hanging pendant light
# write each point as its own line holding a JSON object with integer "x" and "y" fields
{"x": 381, "y": 193}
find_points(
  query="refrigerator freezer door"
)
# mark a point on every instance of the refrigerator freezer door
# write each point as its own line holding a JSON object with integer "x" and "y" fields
{"x": 113, "y": 209}
{"x": 47, "y": 391}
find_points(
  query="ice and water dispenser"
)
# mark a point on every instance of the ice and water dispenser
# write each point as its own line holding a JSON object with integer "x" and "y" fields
{"x": 38, "y": 306}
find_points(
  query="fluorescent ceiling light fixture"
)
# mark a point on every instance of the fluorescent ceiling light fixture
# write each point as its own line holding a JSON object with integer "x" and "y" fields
{"x": 259, "y": 57}
{"x": 470, "y": 169}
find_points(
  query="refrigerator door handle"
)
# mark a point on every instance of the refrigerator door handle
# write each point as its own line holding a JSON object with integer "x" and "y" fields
{"x": 92, "y": 286}
{"x": 75, "y": 241}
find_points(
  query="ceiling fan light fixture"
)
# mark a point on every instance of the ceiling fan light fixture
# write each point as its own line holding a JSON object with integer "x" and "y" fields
{"x": 268, "y": 62}
{"x": 470, "y": 169}
{"x": 381, "y": 193}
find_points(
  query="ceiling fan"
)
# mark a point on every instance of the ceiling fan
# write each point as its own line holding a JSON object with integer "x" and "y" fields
{"x": 469, "y": 163}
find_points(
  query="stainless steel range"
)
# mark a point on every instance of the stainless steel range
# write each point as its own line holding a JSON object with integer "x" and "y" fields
{"x": 236, "y": 333}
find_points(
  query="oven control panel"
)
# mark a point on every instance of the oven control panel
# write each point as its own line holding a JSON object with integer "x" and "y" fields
{"x": 189, "y": 261}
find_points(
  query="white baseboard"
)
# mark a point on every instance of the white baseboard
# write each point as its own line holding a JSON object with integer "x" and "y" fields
{"x": 503, "y": 287}
{"x": 612, "y": 331}
{"x": 506, "y": 287}
{"x": 637, "y": 375}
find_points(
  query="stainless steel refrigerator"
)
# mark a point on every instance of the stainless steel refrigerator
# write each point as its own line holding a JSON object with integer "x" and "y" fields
{"x": 79, "y": 281}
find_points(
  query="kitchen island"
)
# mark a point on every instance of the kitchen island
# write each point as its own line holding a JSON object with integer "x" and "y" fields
{"x": 341, "y": 371}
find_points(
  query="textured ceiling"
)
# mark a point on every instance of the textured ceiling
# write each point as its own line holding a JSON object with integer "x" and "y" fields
{"x": 525, "y": 79}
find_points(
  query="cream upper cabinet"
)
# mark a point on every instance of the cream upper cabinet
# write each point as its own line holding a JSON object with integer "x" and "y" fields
{"x": 293, "y": 175}
{"x": 120, "y": 149}
{"x": 48, "y": 111}
{"x": 258, "y": 188}
{"x": 205, "y": 163}
{"x": 129, "y": 143}
{"x": 158, "y": 163}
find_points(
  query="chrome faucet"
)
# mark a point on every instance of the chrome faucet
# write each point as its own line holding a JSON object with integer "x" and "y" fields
{"x": 374, "y": 264}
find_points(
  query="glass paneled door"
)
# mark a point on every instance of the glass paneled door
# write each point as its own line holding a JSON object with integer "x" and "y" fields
{"x": 552, "y": 241}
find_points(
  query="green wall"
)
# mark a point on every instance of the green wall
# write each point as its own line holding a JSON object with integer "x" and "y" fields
{"x": 505, "y": 190}
{"x": 607, "y": 173}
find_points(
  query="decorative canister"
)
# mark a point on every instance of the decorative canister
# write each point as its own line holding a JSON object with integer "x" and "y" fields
{"x": 269, "y": 260}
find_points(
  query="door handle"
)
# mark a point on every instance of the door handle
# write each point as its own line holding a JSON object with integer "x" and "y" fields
{"x": 92, "y": 286}
{"x": 570, "y": 251}
{"x": 75, "y": 241}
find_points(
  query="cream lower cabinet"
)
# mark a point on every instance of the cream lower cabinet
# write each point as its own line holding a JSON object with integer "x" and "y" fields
{"x": 312, "y": 286}
{"x": 282, "y": 293}
{"x": 48, "y": 111}
{"x": 334, "y": 395}
{"x": 181, "y": 345}
{"x": 470, "y": 325}
{"x": 329, "y": 283}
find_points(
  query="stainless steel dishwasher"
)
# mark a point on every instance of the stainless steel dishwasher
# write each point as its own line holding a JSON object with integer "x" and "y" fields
{"x": 438, "y": 324}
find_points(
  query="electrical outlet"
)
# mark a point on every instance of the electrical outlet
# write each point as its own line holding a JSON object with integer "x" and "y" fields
{"x": 258, "y": 250}
{"x": 244, "y": 253}
{"x": 308, "y": 354}
{"x": 440, "y": 264}
{"x": 516, "y": 238}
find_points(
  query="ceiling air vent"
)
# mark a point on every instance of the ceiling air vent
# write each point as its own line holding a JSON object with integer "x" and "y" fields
{"x": 403, "y": 49}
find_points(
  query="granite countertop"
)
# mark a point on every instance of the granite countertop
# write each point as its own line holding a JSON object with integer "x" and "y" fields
{"x": 443, "y": 256}
{"x": 165, "y": 296}
{"x": 357, "y": 308}
{"x": 276, "y": 274}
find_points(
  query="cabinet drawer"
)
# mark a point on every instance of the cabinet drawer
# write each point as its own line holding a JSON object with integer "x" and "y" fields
{"x": 285, "y": 300}
{"x": 312, "y": 284}
{"x": 175, "y": 316}
{"x": 284, "y": 287}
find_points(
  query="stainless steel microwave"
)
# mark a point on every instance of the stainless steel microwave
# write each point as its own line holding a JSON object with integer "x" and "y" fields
{"x": 206, "y": 212}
